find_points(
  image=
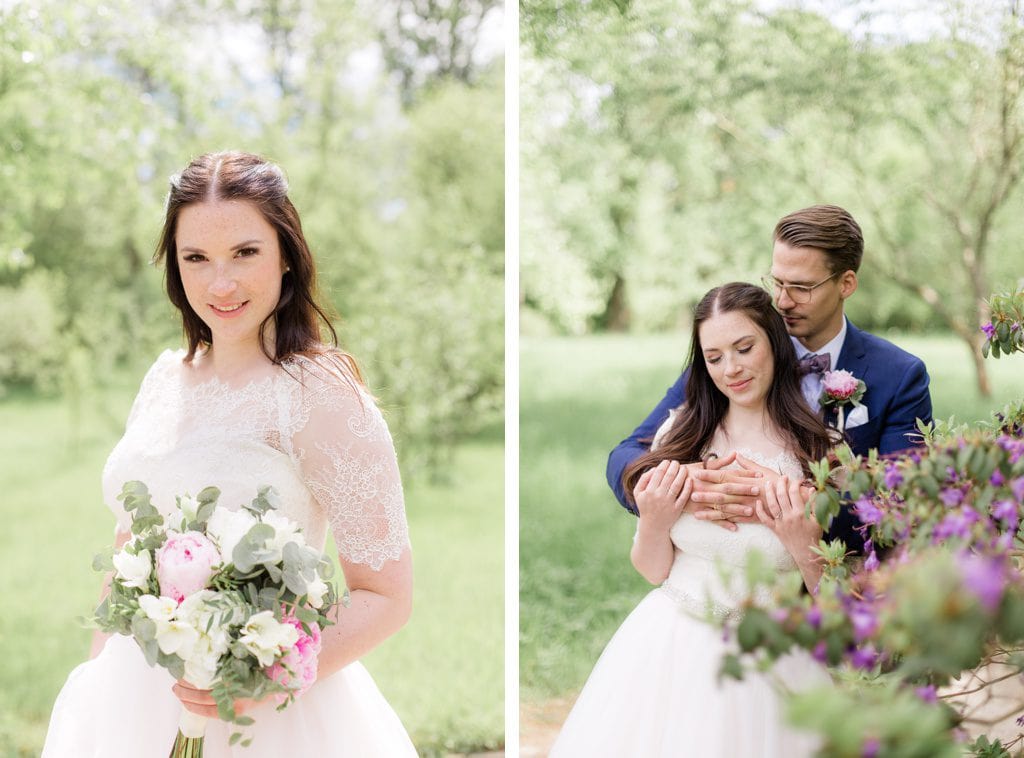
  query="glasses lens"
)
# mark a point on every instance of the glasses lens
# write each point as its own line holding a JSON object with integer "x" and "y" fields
{"x": 799, "y": 294}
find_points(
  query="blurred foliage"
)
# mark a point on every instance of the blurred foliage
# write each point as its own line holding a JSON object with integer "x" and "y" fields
{"x": 940, "y": 593}
{"x": 661, "y": 141}
{"x": 1004, "y": 334}
{"x": 401, "y": 198}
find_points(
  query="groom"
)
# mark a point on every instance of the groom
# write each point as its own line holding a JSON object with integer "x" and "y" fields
{"x": 815, "y": 259}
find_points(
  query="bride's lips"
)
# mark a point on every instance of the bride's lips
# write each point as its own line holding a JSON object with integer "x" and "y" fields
{"x": 740, "y": 386}
{"x": 229, "y": 310}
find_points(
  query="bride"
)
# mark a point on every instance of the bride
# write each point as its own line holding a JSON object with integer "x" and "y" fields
{"x": 655, "y": 689}
{"x": 255, "y": 399}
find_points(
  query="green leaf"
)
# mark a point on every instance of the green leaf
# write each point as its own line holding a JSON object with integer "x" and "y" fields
{"x": 731, "y": 667}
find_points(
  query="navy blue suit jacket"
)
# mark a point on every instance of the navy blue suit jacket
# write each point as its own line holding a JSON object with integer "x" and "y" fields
{"x": 897, "y": 395}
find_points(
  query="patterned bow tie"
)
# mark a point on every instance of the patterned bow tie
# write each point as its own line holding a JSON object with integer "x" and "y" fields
{"x": 817, "y": 364}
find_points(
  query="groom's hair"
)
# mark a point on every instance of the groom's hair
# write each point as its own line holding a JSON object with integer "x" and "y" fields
{"x": 691, "y": 433}
{"x": 828, "y": 228}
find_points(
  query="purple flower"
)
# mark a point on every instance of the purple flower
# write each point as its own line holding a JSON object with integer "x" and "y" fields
{"x": 956, "y": 524}
{"x": 864, "y": 621}
{"x": 997, "y": 479}
{"x": 989, "y": 329}
{"x": 871, "y": 748}
{"x": 1017, "y": 488}
{"x": 893, "y": 477}
{"x": 951, "y": 496}
{"x": 1013, "y": 446}
{"x": 1020, "y": 721}
{"x": 927, "y": 693}
{"x": 863, "y": 657}
{"x": 872, "y": 561}
{"x": 779, "y": 615}
{"x": 867, "y": 511}
{"x": 1006, "y": 511}
{"x": 814, "y": 617}
{"x": 984, "y": 577}
{"x": 820, "y": 652}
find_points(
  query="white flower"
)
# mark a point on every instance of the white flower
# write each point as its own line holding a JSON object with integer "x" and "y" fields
{"x": 201, "y": 665}
{"x": 315, "y": 591}
{"x": 285, "y": 531}
{"x": 134, "y": 570}
{"x": 265, "y": 637}
{"x": 176, "y": 638}
{"x": 189, "y": 507}
{"x": 158, "y": 608}
{"x": 193, "y": 608}
{"x": 226, "y": 528}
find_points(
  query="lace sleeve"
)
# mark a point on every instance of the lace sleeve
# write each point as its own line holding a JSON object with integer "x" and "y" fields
{"x": 348, "y": 463}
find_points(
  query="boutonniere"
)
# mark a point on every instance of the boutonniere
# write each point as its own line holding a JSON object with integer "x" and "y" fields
{"x": 841, "y": 388}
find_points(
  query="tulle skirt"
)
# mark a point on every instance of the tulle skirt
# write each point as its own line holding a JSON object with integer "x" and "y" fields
{"x": 655, "y": 693}
{"x": 117, "y": 706}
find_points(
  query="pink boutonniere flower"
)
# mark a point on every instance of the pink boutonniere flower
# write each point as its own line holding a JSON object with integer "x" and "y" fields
{"x": 840, "y": 388}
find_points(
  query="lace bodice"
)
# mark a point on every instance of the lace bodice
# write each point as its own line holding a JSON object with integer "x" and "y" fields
{"x": 707, "y": 571}
{"x": 320, "y": 441}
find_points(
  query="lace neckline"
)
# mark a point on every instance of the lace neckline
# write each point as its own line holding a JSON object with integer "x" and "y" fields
{"x": 214, "y": 385}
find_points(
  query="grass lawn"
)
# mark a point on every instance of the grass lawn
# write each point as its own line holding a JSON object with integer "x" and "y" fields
{"x": 578, "y": 398}
{"x": 444, "y": 673}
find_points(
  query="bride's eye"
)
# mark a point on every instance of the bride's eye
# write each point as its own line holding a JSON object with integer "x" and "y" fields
{"x": 194, "y": 258}
{"x": 247, "y": 252}
{"x": 716, "y": 359}
{"x": 746, "y": 349}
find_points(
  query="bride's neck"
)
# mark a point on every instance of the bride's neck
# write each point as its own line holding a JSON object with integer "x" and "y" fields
{"x": 743, "y": 423}
{"x": 231, "y": 362}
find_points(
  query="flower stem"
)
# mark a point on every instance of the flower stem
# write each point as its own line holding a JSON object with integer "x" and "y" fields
{"x": 187, "y": 747}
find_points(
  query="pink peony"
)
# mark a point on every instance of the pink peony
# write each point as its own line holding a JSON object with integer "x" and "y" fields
{"x": 840, "y": 384}
{"x": 185, "y": 564}
{"x": 297, "y": 668}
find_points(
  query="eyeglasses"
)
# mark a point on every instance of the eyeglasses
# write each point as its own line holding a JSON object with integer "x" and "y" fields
{"x": 798, "y": 293}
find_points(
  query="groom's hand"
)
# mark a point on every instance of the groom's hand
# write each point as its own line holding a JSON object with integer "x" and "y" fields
{"x": 724, "y": 496}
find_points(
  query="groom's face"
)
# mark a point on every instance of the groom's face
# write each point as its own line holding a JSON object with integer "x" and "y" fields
{"x": 820, "y": 318}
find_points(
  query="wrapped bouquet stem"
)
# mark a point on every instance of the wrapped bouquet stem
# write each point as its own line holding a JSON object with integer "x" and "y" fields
{"x": 189, "y": 742}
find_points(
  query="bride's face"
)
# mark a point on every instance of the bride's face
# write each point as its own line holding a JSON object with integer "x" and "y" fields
{"x": 231, "y": 267}
{"x": 738, "y": 357}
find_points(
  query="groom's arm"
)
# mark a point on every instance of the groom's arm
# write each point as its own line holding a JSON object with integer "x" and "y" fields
{"x": 631, "y": 448}
{"x": 912, "y": 401}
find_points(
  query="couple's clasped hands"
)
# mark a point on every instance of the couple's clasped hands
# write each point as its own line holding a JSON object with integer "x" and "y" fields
{"x": 750, "y": 494}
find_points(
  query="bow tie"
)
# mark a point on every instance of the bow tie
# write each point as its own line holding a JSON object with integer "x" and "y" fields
{"x": 812, "y": 363}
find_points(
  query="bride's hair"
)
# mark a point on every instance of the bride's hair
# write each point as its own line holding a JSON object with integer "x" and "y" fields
{"x": 301, "y": 324}
{"x": 705, "y": 408}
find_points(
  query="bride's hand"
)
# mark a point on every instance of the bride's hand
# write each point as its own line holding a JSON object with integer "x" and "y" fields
{"x": 662, "y": 493}
{"x": 201, "y": 702}
{"x": 782, "y": 511}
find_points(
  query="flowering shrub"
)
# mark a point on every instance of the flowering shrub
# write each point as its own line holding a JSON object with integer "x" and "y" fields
{"x": 939, "y": 591}
{"x": 1004, "y": 334}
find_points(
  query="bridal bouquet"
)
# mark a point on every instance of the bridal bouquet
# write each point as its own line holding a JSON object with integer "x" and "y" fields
{"x": 231, "y": 601}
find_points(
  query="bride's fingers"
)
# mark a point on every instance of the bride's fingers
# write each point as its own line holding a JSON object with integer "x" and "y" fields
{"x": 642, "y": 482}
{"x": 657, "y": 474}
{"x": 684, "y": 495}
{"x": 762, "y": 514}
{"x": 678, "y": 482}
{"x": 772, "y": 505}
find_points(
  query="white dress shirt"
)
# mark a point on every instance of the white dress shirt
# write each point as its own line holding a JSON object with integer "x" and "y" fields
{"x": 811, "y": 384}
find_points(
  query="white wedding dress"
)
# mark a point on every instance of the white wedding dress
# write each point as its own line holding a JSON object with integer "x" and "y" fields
{"x": 325, "y": 448}
{"x": 655, "y": 690}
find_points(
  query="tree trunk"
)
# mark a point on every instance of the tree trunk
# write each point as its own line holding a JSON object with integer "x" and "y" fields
{"x": 616, "y": 316}
{"x": 984, "y": 387}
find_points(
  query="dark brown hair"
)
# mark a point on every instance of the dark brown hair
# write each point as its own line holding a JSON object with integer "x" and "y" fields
{"x": 828, "y": 228}
{"x": 705, "y": 407}
{"x": 300, "y": 322}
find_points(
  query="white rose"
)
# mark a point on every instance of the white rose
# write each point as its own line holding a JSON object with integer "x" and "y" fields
{"x": 134, "y": 570}
{"x": 201, "y": 666}
{"x": 315, "y": 591}
{"x": 176, "y": 638}
{"x": 265, "y": 637}
{"x": 226, "y": 528}
{"x": 158, "y": 608}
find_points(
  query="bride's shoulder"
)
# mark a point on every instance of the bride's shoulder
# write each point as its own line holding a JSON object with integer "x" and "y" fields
{"x": 326, "y": 371}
